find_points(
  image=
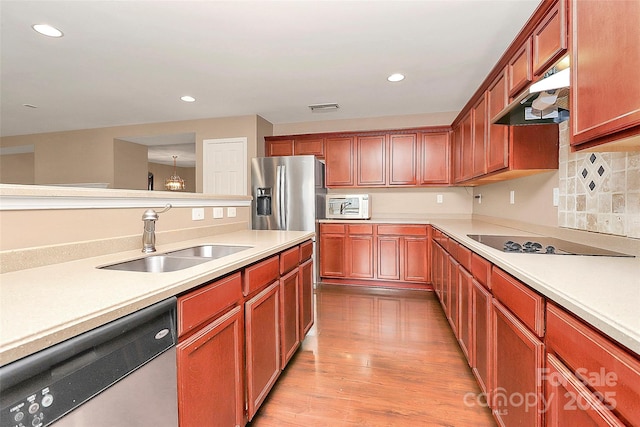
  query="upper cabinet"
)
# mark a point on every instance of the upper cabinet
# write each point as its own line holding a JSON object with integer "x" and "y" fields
{"x": 341, "y": 162}
{"x": 434, "y": 158}
{"x": 520, "y": 69}
{"x": 403, "y": 159}
{"x": 497, "y": 135}
{"x": 605, "y": 83}
{"x": 371, "y": 161}
{"x": 550, "y": 38}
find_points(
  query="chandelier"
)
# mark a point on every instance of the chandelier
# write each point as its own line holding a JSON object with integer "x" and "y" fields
{"x": 175, "y": 183}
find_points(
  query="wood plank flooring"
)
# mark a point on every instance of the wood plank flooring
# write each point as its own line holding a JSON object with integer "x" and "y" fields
{"x": 375, "y": 357}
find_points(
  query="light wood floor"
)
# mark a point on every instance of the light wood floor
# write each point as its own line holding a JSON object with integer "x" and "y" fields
{"x": 375, "y": 358}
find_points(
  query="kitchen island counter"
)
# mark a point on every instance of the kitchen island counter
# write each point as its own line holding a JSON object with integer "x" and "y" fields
{"x": 46, "y": 305}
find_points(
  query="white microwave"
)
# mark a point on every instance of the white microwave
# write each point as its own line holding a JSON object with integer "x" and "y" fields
{"x": 348, "y": 206}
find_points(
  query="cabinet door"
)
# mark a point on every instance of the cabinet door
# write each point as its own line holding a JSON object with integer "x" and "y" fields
{"x": 306, "y": 297}
{"x": 520, "y": 69}
{"x": 315, "y": 147}
{"x": 388, "y": 257}
{"x": 517, "y": 367}
{"x": 498, "y": 135}
{"x": 415, "y": 253}
{"x": 465, "y": 328}
{"x": 550, "y": 38}
{"x": 456, "y": 151}
{"x": 332, "y": 255}
{"x": 481, "y": 305}
{"x": 210, "y": 374}
{"x": 605, "y": 59}
{"x": 467, "y": 147}
{"x": 360, "y": 256}
{"x": 570, "y": 403}
{"x": 279, "y": 148}
{"x": 262, "y": 323}
{"x": 371, "y": 155}
{"x": 403, "y": 159}
{"x": 452, "y": 307}
{"x": 289, "y": 316}
{"x": 434, "y": 158}
{"x": 340, "y": 162}
{"x": 479, "y": 137}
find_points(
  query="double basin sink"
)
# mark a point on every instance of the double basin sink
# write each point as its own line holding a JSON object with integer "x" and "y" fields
{"x": 176, "y": 260}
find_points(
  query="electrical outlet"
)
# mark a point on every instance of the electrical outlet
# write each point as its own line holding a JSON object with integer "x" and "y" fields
{"x": 439, "y": 198}
{"x": 218, "y": 213}
{"x": 197, "y": 214}
{"x": 556, "y": 196}
{"x": 479, "y": 197}
{"x": 231, "y": 212}
{"x": 512, "y": 197}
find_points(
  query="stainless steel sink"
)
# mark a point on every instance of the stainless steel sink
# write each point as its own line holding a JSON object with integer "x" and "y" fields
{"x": 208, "y": 251}
{"x": 156, "y": 264}
{"x": 176, "y": 260}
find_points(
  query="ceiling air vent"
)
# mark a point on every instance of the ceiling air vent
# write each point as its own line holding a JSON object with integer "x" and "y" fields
{"x": 320, "y": 108}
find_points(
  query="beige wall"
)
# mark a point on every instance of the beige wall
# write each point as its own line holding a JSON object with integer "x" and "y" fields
{"x": 17, "y": 168}
{"x": 130, "y": 165}
{"x": 372, "y": 123}
{"x": 95, "y": 146}
{"x": 533, "y": 199}
{"x": 265, "y": 128}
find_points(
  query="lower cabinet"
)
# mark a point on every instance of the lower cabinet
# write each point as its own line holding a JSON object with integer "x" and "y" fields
{"x": 210, "y": 373}
{"x": 262, "y": 323}
{"x": 390, "y": 253}
{"x": 518, "y": 360}
{"x": 454, "y": 293}
{"x": 306, "y": 297}
{"x": 289, "y": 316}
{"x": 482, "y": 313}
{"x": 465, "y": 295}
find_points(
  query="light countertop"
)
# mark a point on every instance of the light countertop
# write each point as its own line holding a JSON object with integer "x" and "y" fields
{"x": 43, "y": 306}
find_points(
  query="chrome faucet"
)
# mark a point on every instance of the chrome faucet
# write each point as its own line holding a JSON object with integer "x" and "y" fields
{"x": 149, "y": 233}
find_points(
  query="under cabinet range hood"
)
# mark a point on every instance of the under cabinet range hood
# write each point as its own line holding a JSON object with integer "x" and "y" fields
{"x": 544, "y": 102}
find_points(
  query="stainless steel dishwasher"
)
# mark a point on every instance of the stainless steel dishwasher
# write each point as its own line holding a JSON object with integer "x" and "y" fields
{"x": 119, "y": 374}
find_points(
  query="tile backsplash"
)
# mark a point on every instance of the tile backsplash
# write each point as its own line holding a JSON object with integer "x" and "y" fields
{"x": 599, "y": 192}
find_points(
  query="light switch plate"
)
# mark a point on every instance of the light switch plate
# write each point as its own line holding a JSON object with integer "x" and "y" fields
{"x": 439, "y": 198}
{"x": 556, "y": 196}
{"x": 197, "y": 214}
{"x": 512, "y": 197}
{"x": 231, "y": 212}
{"x": 218, "y": 212}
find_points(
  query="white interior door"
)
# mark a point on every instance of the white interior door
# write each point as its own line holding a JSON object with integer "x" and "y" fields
{"x": 224, "y": 166}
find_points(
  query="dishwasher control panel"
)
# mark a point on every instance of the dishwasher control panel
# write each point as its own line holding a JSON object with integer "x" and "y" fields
{"x": 32, "y": 411}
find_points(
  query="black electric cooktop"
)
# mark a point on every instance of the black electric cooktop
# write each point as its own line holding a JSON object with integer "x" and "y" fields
{"x": 541, "y": 245}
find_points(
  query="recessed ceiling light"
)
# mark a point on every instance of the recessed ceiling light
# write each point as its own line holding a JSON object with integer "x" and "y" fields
{"x": 47, "y": 30}
{"x": 188, "y": 98}
{"x": 396, "y": 77}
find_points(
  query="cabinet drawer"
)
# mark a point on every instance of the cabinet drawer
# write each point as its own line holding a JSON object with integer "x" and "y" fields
{"x": 203, "y": 304}
{"x": 605, "y": 367}
{"x": 481, "y": 269}
{"x": 306, "y": 250}
{"x": 527, "y": 305}
{"x": 403, "y": 230}
{"x": 332, "y": 228}
{"x": 289, "y": 259}
{"x": 261, "y": 274}
{"x": 464, "y": 257}
{"x": 360, "y": 229}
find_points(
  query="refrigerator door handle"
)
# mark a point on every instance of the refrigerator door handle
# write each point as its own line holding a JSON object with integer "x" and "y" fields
{"x": 282, "y": 187}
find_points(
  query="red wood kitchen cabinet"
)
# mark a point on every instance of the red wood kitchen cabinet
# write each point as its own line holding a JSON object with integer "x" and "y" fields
{"x": 518, "y": 353}
{"x": 601, "y": 377}
{"x": 479, "y": 124}
{"x": 454, "y": 294}
{"x": 262, "y": 324}
{"x": 210, "y": 355}
{"x": 402, "y": 253}
{"x": 403, "y": 159}
{"x": 466, "y": 153}
{"x": 434, "y": 158}
{"x": 465, "y": 300}
{"x": 333, "y": 251}
{"x": 497, "y": 135}
{"x": 289, "y": 316}
{"x": 482, "y": 344}
{"x": 520, "y": 69}
{"x": 283, "y": 147}
{"x": 605, "y": 59}
{"x": 340, "y": 161}
{"x": 360, "y": 251}
{"x": 550, "y": 38}
{"x": 306, "y": 297}
{"x": 309, "y": 146}
{"x": 371, "y": 155}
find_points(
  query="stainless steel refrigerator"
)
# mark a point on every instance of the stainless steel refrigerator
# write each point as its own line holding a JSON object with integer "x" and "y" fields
{"x": 288, "y": 193}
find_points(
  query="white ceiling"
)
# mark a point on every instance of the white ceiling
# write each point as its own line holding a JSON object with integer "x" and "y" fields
{"x": 128, "y": 62}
